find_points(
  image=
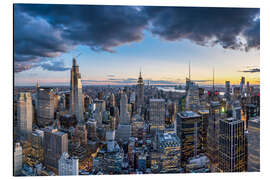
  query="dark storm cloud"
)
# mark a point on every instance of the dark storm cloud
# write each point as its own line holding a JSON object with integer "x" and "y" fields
{"x": 99, "y": 27}
{"x": 254, "y": 70}
{"x": 207, "y": 26}
{"x": 47, "y": 31}
{"x": 54, "y": 66}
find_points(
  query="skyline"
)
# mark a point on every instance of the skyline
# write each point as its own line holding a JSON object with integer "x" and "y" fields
{"x": 161, "y": 49}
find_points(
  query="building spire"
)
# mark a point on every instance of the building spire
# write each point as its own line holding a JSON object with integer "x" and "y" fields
{"x": 37, "y": 84}
{"x": 74, "y": 62}
{"x": 140, "y": 73}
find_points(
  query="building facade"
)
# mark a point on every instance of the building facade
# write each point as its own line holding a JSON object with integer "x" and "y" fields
{"x": 55, "y": 144}
{"x": 68, "y": 166}
{"x": 157, "y": 114}
{"x": 17, "y": 160}
{"x": 25, "y": 116}
{"x": 45, "y": 106}
{"x": 76, "y": 97}
{"x": 232, "y": 149}
{"x": 189, "y": 130}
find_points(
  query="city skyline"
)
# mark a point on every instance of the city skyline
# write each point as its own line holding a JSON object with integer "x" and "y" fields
{"x": 149, "y": 44}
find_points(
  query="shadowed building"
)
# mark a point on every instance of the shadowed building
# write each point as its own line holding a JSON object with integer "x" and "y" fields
{"x": 213, "y": 131}
{"x": 189, "y": 129}
{"x": 204, "y": 117}
{"x": 55, "y": 144}
{"x": 45, "y": 106}
{"x": 231, "y": 154}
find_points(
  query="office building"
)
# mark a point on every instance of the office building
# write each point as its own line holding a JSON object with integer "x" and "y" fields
{"x": 76, "y": 97}
{"x": 157, "y": 114}
{"x": 192, "y": 97}
{"x": 232, "y": 149}
{"x": 68, "y": 166}
{"x": 45, "y": 106}
{"x": 25, "y": 115}
{"x": 189, "y": 130}
{"x": 242, "y": 85}
{"x": 124, "y": 114}
{"x": 204, "y": 120}
{"x": 169, "y": 147}
{"x": 228, "y": 90}
{"x": 17, "y": 159}
{"x": 91, "y": 126}
{"x": 55, "y": 144}
{"x": 213, "y": 131}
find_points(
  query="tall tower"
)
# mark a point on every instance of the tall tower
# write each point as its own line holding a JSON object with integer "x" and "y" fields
{"x": 25, "y": 115}
{"x": 213, "y": 132}
{"x": 232, "y": 152}
{"x": 242, "y": 84}
{"x": 124, "y": 114}
{"x": 140, "y": 91}
{"x": 76, "y": 104}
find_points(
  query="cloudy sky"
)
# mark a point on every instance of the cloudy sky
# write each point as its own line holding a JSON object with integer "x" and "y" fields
{"x": 112, "y": 43}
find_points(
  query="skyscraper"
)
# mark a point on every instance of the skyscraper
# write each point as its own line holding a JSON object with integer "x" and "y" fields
{"x": 25, "y": 115}
{"x": 231, "y": 153}
{"x": 204, "y": 120}
{"x": 17, "y": 160}
{"x": 76, "y": 103}
{"x": 242, "y": 84}
{"x": 213, "y": 131}
{"x": 140, "y": 91}
{"x": 68, "y": 166}
{"x": 45, "y": 106}
{"x": 124, "y": 129}
{"x": 157, "y": 114}
{"x": 192, "y": 98}
{"x": 189, "y": 130}
{"x": 124, "y": 114}
{"x": 227, "y": 90}
{"x": 55, "y": 144}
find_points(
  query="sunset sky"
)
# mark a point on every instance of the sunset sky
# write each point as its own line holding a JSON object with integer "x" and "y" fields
{"x": 112, "y": 44}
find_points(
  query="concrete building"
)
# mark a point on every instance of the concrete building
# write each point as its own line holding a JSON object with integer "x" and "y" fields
{"x": 232, "y": 151}
{"x": 68, "y": 166}
{"x": 55, "y": 144}
{"x": 76, "y": 97}
{"x": 25, "y": 116}
{"x": 45, "y": 106}
{"x": 17, "y": 159}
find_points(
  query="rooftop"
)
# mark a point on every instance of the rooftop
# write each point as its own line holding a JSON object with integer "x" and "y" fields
{"x": 189, "y": 114}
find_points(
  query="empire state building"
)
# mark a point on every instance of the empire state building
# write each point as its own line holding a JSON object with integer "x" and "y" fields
{"x": 76, "y": 104}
